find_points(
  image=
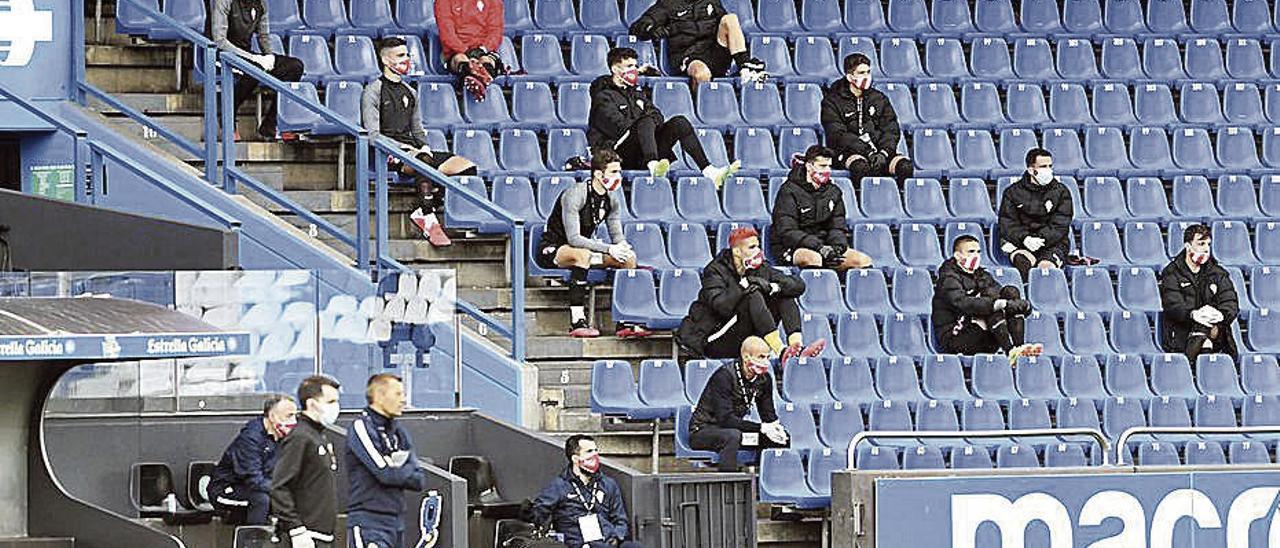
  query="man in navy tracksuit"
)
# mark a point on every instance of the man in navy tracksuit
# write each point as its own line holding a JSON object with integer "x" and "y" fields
{"x": 381, "y": 466}
{"x": 582, "y": 504}
{"x": 240, "y": 486}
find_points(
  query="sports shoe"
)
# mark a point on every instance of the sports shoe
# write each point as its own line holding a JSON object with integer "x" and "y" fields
{"x": 659, "y": 168}
{"x": 814, "y": 349}
{"x": 790, "y": 352}
{"x": 1024, "y": 351}
{"x": 474, "y": 87}
{"x": 631, "y": 331}
{"x": 433, "y": 232}
{"x": 752, "y": 71}
{"x": 582, "y": 330}
{"x": 719, "y": 175}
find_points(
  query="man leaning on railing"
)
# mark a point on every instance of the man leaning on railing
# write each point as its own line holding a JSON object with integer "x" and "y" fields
{"x": 231, "y": 25}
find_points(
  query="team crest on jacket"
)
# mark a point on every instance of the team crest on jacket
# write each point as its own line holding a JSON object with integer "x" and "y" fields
{"x": 640, "y": 103}
{"x": 831, "y": 205}
{"x": 1213, "y": 288}
{"x": 1048, "y": 205}
{"x": 710, "y": 9}
{"x": 405, "y": 100}
{"x": 320, "y": 450}
{"x": 871, "y": 111}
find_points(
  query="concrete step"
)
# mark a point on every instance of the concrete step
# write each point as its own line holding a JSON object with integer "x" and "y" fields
{"x": 136, "y": 79}
{"x": 131, "y": 56}
{"x": 780, "y": 534}
{"x": 36, "y": 542}
{"x": 657, "y": 345}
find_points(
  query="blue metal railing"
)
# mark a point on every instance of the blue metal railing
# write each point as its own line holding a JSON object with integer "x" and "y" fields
{"x": 223, "y": 67}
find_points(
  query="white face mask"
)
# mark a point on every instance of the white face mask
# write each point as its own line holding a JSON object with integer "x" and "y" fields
{"x": 1043, "y": 176}
{"x": 329, "y": 413}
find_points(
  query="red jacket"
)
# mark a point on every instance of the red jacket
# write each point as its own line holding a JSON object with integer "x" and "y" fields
{"x": 466, "y": 24}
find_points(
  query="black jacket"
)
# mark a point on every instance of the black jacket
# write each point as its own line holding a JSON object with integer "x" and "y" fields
{"x": 247, "y": 461}
{"x": 724, "y": 402}
{"x": 843, "y": 124}
{"x": 718, "y": 299}
{"x": 561, "y": 504}
{"x": 615, "y": 109}
{"x": 1029, "y": 209}
{"x": 689, "y": 24}
{"x": 959, "y": 295}
{"x": 808, "y": 217}
{"x": 1181, "y": 292}
{"x": 304, "y": 490}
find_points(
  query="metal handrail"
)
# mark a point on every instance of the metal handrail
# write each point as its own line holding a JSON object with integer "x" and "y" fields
{"x": 98, "y": 149}
{"x": 1123, "y": 441}
{"x": 78, "y": 136}
{"x": 1035, "y": 432}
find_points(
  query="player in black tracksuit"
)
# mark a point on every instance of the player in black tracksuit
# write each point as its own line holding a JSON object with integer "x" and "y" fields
{"x": 719, "y": 419}
{"x": 1035, "y": 217}
{"x": 624, "y": 118}
{"x": 1199, "y": 302}
{"x": 861, "y": 125}
{"x": 972, "y": 313}
{"x": 304, "y": 491}
{"x": 381, "y": 466}
{"x": 702, "y": 39}
{"x": 240, "y": 485}
{"x": 231, "y": 25}
{"x": 809, "y": 224}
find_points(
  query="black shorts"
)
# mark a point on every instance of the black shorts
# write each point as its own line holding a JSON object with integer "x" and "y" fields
{"x": 545, "y": 256}
{"x": 435, "y": 159}
{"x": 715, "y": 56}
{"x": 785, "y": 257}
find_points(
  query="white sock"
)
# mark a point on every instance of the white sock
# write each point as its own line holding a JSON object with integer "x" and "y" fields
{"x": 577, "y": 314}
{"x": 710, "y": 172}
{"x": 653, "y": 164}
{"x": 597, "y": 259}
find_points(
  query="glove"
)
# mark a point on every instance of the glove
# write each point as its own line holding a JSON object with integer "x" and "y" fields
{"x": 999, "y": 304}
{"x": 762, "y": 285}
{"x": 1033, "y": 243}
{"x": 774, "y": 432}
{"x": 1018, "y": 306}
{"x": 1206, "y": 315}
{"x": 398, "y": 458}
{"x": 301, "y": 538}
{"x": 879, "y": 162}
{"x": 267, "y": 62}
{"x": 826, "y": 252}
{"x": 621, "y": 251}
{"x": 476, "y": 52}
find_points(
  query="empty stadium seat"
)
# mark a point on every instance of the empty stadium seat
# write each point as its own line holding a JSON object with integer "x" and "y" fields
{"x": 782, "y": 479}
{"x": 803, "y": 102}
{"x": 1082, "y": 378}
{"x": 614, "y": 392}
{"x": 1047, "y": 291}
{"x": 762, "y": 105}
{"x": 876, "y": 241}
{"x": 969, "y": 200}
{"x": 313, "y": 51}
{"x": 635, "y": 300}
{"x": 857, "y": 335}
{"x": 924, "y": 457}
{"x": 1124, "y": 375}
{"x": 937, "y": 104}
{"x": 515, "y": 194}
{"x": 1104, "y": 149}
{"x": 838, "y": 423}
{"x": 896, "y": 379}
{"x": 601, "y": 17}
{"x": 1076, "y": 413}
{"x": 517, "y": 16}
{"x": 989, "y": 58}
{"x": 1204, "y": 453}
{"x": 903, "y": 105}
{"x": 652, "y": 199}
{"x": 981, "y": 415}
{"x": 1247, "y": 452}
{"x": 804, "y": 382}
{"x": 1014, "y": 144}
{"x": 1042, "y": 328}
{"x": 1075, "y": 59}
{"x": 919, "y": 246}
{"x": 1035, "y": 378}
{"x": 1033, "y": 59}
{"x": 1025, "y": 104}
{"x": 900, "y": 58}
{"x": 877, "y": 458}
{"x": 754, "y": 147}
{"x": 697, "y": 201}
{"x": 1161, "y": 59}
{"x": 976, "y": 153}
{"x": 1120, "y": 59}
{"x": 1231, "y": 244}
{"x": 1121, "y": 413}
{"x": 294, "y": 117}
{"x": 992, "y": 379}
{"x": 1067, "y": 454}
{"x": 1153, "y": 105}
{"x": 1082, "y": 17}
{"x": 851, "y": 382}
{"x": 822, "y": 292}
{"x": 821, "y": 16}
{"x": 867, "y": 292}
{"x": 687, "y": 245}
{"x": 912, "y": 290}
{"x": 1265, "y": 289}
{"x": 943, "y": 379}
{"x": 1193, "y": 151}
{"x": 933, "y": 153}
{"x": 540, "y": 53}
{"x": 995, "y": 17}
{"x": 343, "y": 98}
{"x": 1102, "y": 241}
{"x": 744, "y": 200}
{"x": 777, "y": 16}
{"x": 717, "y": 105}
{"x": 881, "y": 199}
{"x": 773, "y": 51}
{"x": 1091, "y": 289}
{"x": 324, "y": 16}
{"x": 1157, "y": 453}
{"x": 1068, "y": 153}
{"x": 1016, "y": 456}
{"x": 518, "y": 151}
{"x": 489, "y": 113}
{"x": 1166, "y": 17}
{"x": 944, "y": 58}
{"x": 661, "y": 385}
{"x": 1112, "y": 103}
{"x": 1204, "y": 59}
{"x": 587, "y": 54}
{"x": 1216, "y": 374}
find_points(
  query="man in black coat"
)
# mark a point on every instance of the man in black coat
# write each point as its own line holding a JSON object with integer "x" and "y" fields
{"x": 743, "y": 296}
{"x": 624, "y": 118}
{"x": 861, "y": 125}
{"x": 719, "y": 420}
{"x": 809, "y": 225}
{"x": 972, "y": 313}
{"x": 703, "y": 39}
{"x": 1198, "y": 299}
{"x": 1035, "y": 217}
{"x": 304, "y": 485}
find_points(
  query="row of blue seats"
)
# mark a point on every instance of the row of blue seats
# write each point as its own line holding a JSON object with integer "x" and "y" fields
{"x": 1152, "y": 453}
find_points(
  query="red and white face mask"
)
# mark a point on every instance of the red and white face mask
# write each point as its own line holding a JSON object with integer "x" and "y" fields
{"x": 283, "y": 428}
{"x": 859, "y": 82}
{"x": 612, "y": 183}
{"x": 969, "y": 263}
{"x": 591, "y": 464}
{"x": 758, "y": 367}
{"x": 754, "y": 261}
{"x": 631, "y": 76}
{"x": 402, "y": 67}
{"x": 1198, "y": 258}
{"x": 820, "y": 177}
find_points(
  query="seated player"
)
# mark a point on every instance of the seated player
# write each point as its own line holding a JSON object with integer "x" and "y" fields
{"x": 972, "y": 313}
{"x": 232, "y": 23}
{"x": 743, "y": 296}
{"x": 719, "y": 420}
{"x": 1035, "y": 217}
{"x": 703, "y": 39}
{"x": 240, "y": 485}
{"x": 569, "y": 240}
{"x": 624, "y": 118}
{"x": 1198, "y": 299}
{"x": 582, "y": 503}
{"x": 861, "y": 125}
{"x": 809, "y": 225}
{"x": 389, "y": 107}
{"x": 470, "y": 35}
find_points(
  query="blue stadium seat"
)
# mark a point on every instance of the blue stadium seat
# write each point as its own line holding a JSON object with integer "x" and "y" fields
{"x": 782, "y": 479}
{"x": 713, "y": 144}
{"x": 313, "y": 51}
{"x": 1112, "y": 103}
{"x": 1265, "y": 288}
{"x": 867, "y": 292}
{"x": 951, "y": 17}
{"x": 1065, "y": 455}
{"x": 587, "y": 53}
{"x": 821, "y": 16}
{"x": 859, "y": 44}
{"x": 674, "y": 99}
{"x": 908, "y": 17}
{"x": 775, "y": 54}
{"x": 1216, "y": 375}
{"x": 573, "y": 104}
{"x": 633, "y": 9}
{"x": 744, "y": 200}
{"x": 1231, "y": 244}
{"x": 989, "y": 57}
{"x": 555, "y": 16}
{"x": 515, "y": 194}
{"x": 353, "y": 56}
{"x": 371, "y": 17}
{"x": 1161, "y": 59}
{"x": 874, "y": 457}
{"x": 1244, "y": 60}
{"x": 1124, "y": 17}
{"x": 944, "y": 58}
{"x": 1136, "y": 287}
{"x": 904, "y": 335}
{"x": 613, "y": 391}
{"x": 880, "y": 196}
{"x": 1248, "y": 452}
{"x": 803, "y": 103}
{"x": 1166, "y": 17}
{"x": 490, "y": 113}
{"x": 822, "y": 292}
{"x": 937, "y": 416}
{"x": 778, "y": 17}
{"x": 970, "y": 457}
{"x": 1125, "y": 376}
{"x": 294, "y": 117}
{"x": 976, "y": 153}
{"x": 838, "y": 423}
{"x": 1252, "y": 18}
{"x": 1131, "y": 333}
{"x": 1171, "y": 376}
{"x": 518, "y": 151}
{"x": 1091, "y": 289}
{"x": 517, "y": 17}
{"x": 1147, "y": 200}
{"x": 980, "y": 104}
{"x": 677, "y": 289}
{"x": 1264, "y": 331}
{"x": 923, "y": 201}
{"x": 1156, "y": 453}
{"x": 1242, "y": 105}
{"x": 875, "y": 240}
{"x": 933, "y": 154}
{"x": 912, "y": 290}
{"x": 1082, "y": 17}
{"x": 1260, "y": 410}
{"x": 754, "y": 147}
{"x": 1085, "y": 334}
{"x": 903, "y": 105}
{"x": 562, "y": 144}
{"x": 900, "y": 58}
{"x": 1076, "y": 413}
{"x": 995, "y": 17}
{"x": 696, "y": 375}
{"x": 1068, "y": 153}
{"x": 601, "y": 16}
{"x": 1198, "y": 103}
{"x": 1103, "y": 199}
{"x": 889, "y": 415}
{"x": 661, "y": 385}
{"x": 635, "y": 300}
{"x": 283, "y": 16}
{"x": 1018, "y": 455}
{"x": 937, "y": 104}
{"x": 324, "y": 16}
{"x": 1082, "y": 378}
{"x": 1104, "y": 149}
{"x": 1210, "y": 17}
{"x": 798, "y": 422}
{"x": 969, "y": 200}
{"x": 687, "y": 245}
{"x": 697, "y": 201}
{"x": 1035, "y": 378}
{"x": 1236, "y": 198}
{"x": 1121, "y": 413}
{"x": 541, "y": 53}
{"x": 1236, "y": 151}
{"x": 851, "y": 381}
{"x": 804, "y": 382}
{"x": 1028, "y": 414}
{"x": 981, "y": 415}
{"x": 440, "y": 100}
{"x": 1120, "y": 60}
{"x": 460, "y": 213}
{"x": 1075, "y": 58}
{"x": 1047, "y": 291}
{"x": 1267, "y": 244}
{"x": 1068, "y": 104}
{"x": 924, "y": 457}
{"x": 1192, "y": 199}
{"x": 1192, "y": 150}
{"x": 1149, "y": 150}
{"x": 992, "y": 379}
{"x": 343, "y": 98}
{"x": 1014, "y": 144}
{"x": 717, "y": 105}
{"x": 821, "y": 465}
{"x": 653, "y": 200}
{"x": 794, "y": 141}
{"x": 1042, "y": 327}
{"x": 1271, "y": 146}
{"x": 1033, "y": 59}
{"x": 1040, "y": 17}
{"x": 188, "y": 13}
{"x": 919, "y": 246}
{"x": 762, "y": 105}
{"x": 1204, "y": 59}
{"x": 943, "y": 378}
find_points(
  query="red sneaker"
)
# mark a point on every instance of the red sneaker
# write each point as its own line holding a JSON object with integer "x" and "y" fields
{"x": 584, "y": 331}
{"x": 475, "y": 87}
{"x": 814, "y": 349}
{"x": 437, "y": 237}
{"x": 481, "y": 72}
{"x": 632, "y": 332}
{"x": 790, "y": 352}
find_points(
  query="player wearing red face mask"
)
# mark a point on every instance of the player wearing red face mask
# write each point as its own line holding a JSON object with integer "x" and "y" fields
{"x": 861, "y": 125}
{"x": 972, "y": 313}
{"x": 809, "y": 225}
{"x": 583, "y": 504}
{"x": 719, "y": 420}
{"x": 1198, "y": 299}
{"x": 624, "y": 118}
{"x": 240, "y": 484}
{"x": 743, "y": 296}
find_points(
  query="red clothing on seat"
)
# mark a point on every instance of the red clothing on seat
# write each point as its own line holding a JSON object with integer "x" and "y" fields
{"x": 466, "y": 24}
